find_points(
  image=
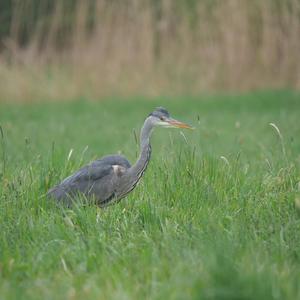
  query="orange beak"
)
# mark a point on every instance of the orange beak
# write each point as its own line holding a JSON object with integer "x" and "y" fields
{"x": 178, "y": 124}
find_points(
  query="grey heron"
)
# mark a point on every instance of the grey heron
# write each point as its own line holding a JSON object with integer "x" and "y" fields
{"x": 111, "y": 178}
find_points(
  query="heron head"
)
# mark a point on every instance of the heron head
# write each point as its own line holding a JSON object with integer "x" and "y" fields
{"x": 161, "y": 117}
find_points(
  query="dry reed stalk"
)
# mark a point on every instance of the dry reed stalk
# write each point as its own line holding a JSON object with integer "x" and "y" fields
{"x": 132, "y": 49}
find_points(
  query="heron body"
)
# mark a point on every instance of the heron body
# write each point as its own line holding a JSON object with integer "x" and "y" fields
{"x": 111, "y": 178}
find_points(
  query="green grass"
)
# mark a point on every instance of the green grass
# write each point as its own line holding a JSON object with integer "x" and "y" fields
{"x": 217, "y": 215}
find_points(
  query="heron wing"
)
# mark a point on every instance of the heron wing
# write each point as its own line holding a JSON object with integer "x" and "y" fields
{"x": 94, "y": 179}
{"x": 98, "y": 169}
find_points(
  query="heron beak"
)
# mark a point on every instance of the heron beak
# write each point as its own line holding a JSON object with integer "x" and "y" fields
{"x": 177, "y": 124}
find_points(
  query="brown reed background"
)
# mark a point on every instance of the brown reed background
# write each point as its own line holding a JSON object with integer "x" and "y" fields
{"x": 63, "y": 49}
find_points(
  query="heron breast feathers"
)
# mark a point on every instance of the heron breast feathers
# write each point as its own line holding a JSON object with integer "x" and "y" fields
{"x": 118, "y": 170}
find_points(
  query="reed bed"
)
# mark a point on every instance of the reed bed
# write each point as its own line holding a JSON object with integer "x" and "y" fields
{"x": 95, "y": 49}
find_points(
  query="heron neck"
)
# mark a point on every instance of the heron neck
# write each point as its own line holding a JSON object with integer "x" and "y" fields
{"x": 141, "y": 164}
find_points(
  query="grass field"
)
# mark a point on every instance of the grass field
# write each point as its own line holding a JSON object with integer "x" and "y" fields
{"x": 217, "y": 215}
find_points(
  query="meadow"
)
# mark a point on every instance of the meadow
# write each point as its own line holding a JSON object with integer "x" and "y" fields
{"x": 216, "y": 216}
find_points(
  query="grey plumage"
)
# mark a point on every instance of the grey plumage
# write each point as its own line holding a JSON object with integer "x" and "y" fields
{"x": 109, "y": 179}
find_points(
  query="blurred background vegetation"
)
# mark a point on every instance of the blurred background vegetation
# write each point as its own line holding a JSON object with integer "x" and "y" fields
{"x": 68, "y": 49}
